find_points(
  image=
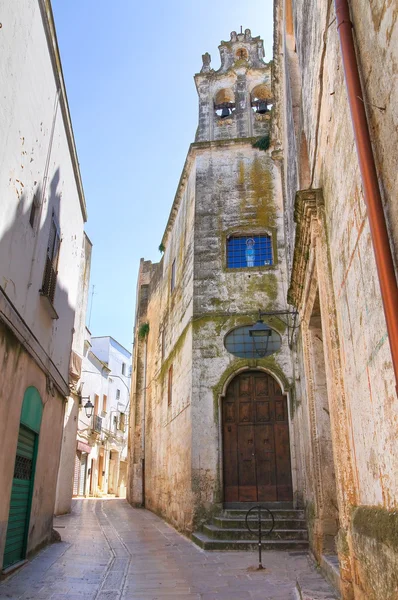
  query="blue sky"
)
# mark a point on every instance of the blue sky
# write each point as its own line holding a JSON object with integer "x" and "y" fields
{"x": 129, "y": 70}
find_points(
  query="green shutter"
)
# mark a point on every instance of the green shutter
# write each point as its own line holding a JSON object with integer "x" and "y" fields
{"x": 21, "y": 495}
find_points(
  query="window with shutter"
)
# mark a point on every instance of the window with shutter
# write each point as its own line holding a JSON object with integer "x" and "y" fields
{"x": 50, "y": 270}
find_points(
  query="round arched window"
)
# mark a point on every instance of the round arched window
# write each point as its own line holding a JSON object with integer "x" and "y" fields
{"x": 224, "y": 103}
{"x": 253, "y": 341}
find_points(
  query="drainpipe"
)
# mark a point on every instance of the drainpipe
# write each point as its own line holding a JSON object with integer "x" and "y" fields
{"x": 377, "y": 221}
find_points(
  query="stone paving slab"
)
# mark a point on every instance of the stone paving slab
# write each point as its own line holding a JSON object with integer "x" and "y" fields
{"x": 111, "y": 551}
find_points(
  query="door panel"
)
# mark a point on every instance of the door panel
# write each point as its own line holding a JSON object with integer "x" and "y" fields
{"x": 283, "y": 470}
{"x": 256, "y": 447}
{"x": 230, "y": 437}
{"x": 19, "y": 515}
{"x": 265, "y": 460}
{"x": 247, "y": 464}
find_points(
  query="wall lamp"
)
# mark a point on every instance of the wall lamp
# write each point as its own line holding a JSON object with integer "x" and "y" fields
{"x": 287, "y": 317}
{"x": 88, "y": 407}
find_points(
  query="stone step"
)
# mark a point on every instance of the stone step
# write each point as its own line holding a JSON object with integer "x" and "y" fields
{"x": 202, "y": 540}
{"x": 239, "y": 523}
{"x": 279, "y": 513}
{"x": 318, "y": 590}
{"x": 218, "y": 533}
{"x": 246, "y": 505}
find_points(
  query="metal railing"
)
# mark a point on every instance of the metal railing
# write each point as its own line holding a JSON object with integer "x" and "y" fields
{"x": 259, "y": 529}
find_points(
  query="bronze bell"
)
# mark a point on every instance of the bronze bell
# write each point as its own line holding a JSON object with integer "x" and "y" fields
{"x": 262, "y": 107}
{"x": 225, "y": 112}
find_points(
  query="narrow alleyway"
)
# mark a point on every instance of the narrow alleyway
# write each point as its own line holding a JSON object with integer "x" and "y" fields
{"x": 111, "y": 551}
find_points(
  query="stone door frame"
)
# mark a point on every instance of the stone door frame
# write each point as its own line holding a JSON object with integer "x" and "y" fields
{"x": 311, "y": 275}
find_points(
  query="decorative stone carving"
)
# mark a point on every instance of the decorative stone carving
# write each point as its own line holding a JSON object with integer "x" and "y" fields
{"x": 206, "y": 60}
{"x": 306, "y": 208}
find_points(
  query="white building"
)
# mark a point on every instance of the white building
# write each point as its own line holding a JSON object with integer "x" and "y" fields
{"x": 101, "y": 452}
{"x": 44, "y": 269}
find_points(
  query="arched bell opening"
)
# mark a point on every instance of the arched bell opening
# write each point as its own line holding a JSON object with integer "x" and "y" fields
{"x": 224, "y": 103}
{"x": 255, "y": 440}
{"x": 261, "y": 99}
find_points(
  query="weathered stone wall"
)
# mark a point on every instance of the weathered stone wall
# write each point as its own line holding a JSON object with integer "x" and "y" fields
{"x": 360, "y": 383}
{"x": 167, "y": 438}
{"x": 238, "y": 191}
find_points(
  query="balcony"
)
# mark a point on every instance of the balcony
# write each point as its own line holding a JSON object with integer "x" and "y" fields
{"x": 97, "y": 424}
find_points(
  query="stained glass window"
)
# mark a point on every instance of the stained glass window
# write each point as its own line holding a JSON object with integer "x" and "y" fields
{"x": 249, "y": 251}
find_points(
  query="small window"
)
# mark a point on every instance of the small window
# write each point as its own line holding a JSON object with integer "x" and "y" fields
{"x": 123, "y": 369}
{"x": 104, "y": 401}
{"x": 173, "y": 275}
{"x": 170, "y": 387}
{"x": 50, "y": 271}
{"x": 249, "y": 251}
{"x": 117, "y": 394}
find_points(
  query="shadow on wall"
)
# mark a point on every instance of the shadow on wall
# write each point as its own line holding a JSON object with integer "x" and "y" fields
{"x": 27, "y": 247}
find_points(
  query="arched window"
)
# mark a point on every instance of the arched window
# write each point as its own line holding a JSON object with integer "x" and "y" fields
{"x": 241, "y": 54}
{"x": 261, "y": 100}
{"x": 224, "y": 103}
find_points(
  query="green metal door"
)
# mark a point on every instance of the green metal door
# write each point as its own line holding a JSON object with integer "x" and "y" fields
{"x": 21, "y": 496}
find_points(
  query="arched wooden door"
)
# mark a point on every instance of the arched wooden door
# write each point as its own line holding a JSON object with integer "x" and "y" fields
{"x": 256, "y": 449}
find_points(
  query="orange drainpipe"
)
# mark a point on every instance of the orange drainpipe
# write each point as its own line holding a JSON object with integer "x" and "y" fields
{"x": 377, "y": 222}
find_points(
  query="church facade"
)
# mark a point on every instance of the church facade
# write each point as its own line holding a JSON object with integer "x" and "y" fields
{"x": 211, "y": 380}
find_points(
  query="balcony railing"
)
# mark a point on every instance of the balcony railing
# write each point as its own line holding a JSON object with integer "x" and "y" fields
{"x": 97, "y": 423}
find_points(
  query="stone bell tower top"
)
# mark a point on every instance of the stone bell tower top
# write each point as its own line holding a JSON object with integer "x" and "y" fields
{"x": 241, "y": 47}
{"x": 235, "y": 101}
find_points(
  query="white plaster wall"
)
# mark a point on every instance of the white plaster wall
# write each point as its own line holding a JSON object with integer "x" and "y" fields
{"x": 29, "y": 112}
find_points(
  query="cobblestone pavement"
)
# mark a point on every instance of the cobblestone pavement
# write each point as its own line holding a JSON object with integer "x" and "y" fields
{"x": 110, "y": 551}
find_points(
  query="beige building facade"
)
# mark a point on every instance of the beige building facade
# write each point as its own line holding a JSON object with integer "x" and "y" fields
{"x": 345, "y": 405}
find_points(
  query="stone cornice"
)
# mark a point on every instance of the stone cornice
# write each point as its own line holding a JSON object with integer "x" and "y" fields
{"x": 306, "y": 209}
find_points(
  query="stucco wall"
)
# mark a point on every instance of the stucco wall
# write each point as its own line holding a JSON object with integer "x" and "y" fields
{"x": 35, "y": 158}
{"x": 19, "y": 372}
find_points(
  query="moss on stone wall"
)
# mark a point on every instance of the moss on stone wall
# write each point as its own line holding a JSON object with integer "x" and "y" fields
{"x": 375, "y": 543}
{"x": 261, "y": 183}
{"x": 378, "y": 523}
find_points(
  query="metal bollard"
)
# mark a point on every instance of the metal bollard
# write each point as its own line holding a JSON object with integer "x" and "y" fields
{"x": 259, "y": 530}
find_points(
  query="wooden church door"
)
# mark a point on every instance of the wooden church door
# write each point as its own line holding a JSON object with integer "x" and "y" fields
{"x": 256, "y": 449}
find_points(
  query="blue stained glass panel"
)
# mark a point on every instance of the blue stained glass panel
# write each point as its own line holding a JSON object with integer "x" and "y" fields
{"x": 249, "y": 251}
